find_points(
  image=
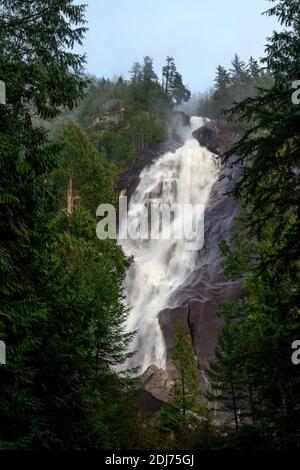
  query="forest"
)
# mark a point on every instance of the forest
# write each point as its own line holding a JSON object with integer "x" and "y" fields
{"x": 65, "y": 138}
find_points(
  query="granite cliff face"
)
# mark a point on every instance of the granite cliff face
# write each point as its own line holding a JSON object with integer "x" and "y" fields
{"x": 195, "y": 303}
{"x": 198, "y": 299}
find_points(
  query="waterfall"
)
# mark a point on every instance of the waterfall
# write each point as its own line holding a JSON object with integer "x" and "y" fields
{"x": 182, "y": 177}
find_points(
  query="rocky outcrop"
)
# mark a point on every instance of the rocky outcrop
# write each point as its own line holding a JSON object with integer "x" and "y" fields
{"x": 217, "y": 136}
{"x": 111, "y": 112}
{"x": 157, "y": 382}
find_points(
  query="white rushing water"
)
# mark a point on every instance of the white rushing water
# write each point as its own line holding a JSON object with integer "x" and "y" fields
{"x": 182, "y": 177}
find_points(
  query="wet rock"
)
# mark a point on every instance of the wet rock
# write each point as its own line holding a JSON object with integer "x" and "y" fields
{"x": 129, "y": 179}
{"x": 148, "y": 404}
{"x": 217, "y": 136}
{"x": 199, "y": 298}
{"x": 168, "y": 321}
{"x": 196, "y": 302}
{"x": 156, "y": 382}
{"x": 179, "y": 119}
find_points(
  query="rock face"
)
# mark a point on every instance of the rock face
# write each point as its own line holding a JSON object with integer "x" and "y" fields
{"x": 157, "y": 382}
{"x": 111, "y": 112}
{"x": 148, "y": 404}
{"x": 196, "y": 302}
{"x": 217, "y": 136}
{"x": 178, "y": 119}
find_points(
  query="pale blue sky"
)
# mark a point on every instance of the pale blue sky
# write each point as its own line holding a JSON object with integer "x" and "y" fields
{"x": 200, "y": 34}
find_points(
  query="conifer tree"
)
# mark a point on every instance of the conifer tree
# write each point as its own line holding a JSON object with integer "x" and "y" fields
{"x": 185, "y": 393}
{"x": 222, "y": 95}
{"x": 186, "y": 416}
{"x": 150, "y": 78}
{"x": 269, "y": 190}
{"x": 61, "y": 303}
{"x": 224, "y": 375}
{"x": 253, "y": 68}
{"x": 173, "y": 85}
{"x": 136, "y": 73}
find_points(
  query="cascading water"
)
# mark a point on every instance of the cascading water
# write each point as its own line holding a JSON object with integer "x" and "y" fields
{"x": 160, "y": 266}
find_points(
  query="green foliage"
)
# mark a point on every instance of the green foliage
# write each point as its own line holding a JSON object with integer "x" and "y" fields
{"x": 35, "y": 62}
{"x": 185, "y": 417}
{"x": 61, "y": 309}
{"x": 124, "y": 118}
{"x": 266, "y": 317}
{"x": 121, "y": 118}
{"x": 185, "y": 391}
{"x": 173, "y": 84}
{"x": 226, "y": 382}
{"x": 92, "y": 177}
{"x": 233, "y": 86}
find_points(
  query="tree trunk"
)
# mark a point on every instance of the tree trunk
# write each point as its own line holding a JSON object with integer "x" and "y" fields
{"x": 70, "y": 201}
{"x": 234, "y": 404}
{"x": 183, "y": 393}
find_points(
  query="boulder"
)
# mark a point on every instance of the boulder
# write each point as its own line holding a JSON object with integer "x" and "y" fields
{"x": 156, "y": 382}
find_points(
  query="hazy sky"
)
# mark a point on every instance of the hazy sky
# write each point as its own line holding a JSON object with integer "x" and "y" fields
{"x": 200, "y": 34}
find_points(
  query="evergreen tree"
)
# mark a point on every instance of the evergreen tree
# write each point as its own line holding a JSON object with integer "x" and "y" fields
{"x": 87, "y": 179}
{"x": 239, "y": 76}
{"x": 267, "y": 379}
{"x": 253, "y": 68}
{"x": 222, "y": 80}
{"x": 61, "y": 316}
{"x": 173, "y": 85}
{"x": 184, "y": 399}
{"x": 269, "y": 184}
{"x": 180, "y": 94}
{"x": 185, "y": 392}
{"x": 38, "y": 67}
{"x": 224, "y": 375}
{"x": 40, "y": 76}
{"x": 136, "y": 73}
{"x": 234, "y": 86}
{"x": 150, "y": 78}
{"x": 222, "y": 83}
{"x": 239, "y": 70}
{"x": 168, "y": 73}
{"x": 269, "y": 190}
{"x": 186, "y": 416}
